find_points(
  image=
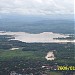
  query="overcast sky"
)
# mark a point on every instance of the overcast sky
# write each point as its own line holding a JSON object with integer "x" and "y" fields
{"x": 35, "y": 7}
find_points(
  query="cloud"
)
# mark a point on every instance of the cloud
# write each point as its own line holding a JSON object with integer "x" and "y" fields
{"x": 37, "y": 6}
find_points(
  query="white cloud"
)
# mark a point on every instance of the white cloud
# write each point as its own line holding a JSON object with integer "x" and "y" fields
{"x": 37, "y": 6}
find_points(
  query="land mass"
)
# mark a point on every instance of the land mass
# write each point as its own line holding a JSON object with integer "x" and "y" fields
{"x": 28, "y": 58}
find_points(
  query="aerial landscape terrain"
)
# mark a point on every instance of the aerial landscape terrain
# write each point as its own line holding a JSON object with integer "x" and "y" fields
{"x": 37, "y": 37}
{"x": 34, "y": 52}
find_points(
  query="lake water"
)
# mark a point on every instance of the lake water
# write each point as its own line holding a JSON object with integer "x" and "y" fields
{"x": 45, "y": 37}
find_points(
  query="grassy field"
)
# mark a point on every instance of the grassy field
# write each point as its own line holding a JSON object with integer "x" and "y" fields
{"x": 10, "y": 54}
{"x": 19, "y": 54}
{"x": 55, "y": 73}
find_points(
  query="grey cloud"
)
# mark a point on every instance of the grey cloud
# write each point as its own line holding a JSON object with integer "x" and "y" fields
{"x": 37, "y": 6}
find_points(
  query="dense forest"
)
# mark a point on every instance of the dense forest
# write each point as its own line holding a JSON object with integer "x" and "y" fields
{"x": 30, "y": 57}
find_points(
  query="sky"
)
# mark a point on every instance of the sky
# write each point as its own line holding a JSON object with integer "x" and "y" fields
{"x": 37, "y": 7}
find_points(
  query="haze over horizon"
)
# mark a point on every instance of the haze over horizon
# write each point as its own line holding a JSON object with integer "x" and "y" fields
{"x": 37, "y": 15}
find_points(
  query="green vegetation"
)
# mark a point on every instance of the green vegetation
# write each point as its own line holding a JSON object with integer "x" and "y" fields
{"x": 10, "y": 54}
{"x": 64, "y": 51}
{"x": 31, "y": 57}
{"x": 56, "y": 73}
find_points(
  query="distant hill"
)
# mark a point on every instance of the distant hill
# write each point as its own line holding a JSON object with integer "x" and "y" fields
{"x": 37, "y": 25}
